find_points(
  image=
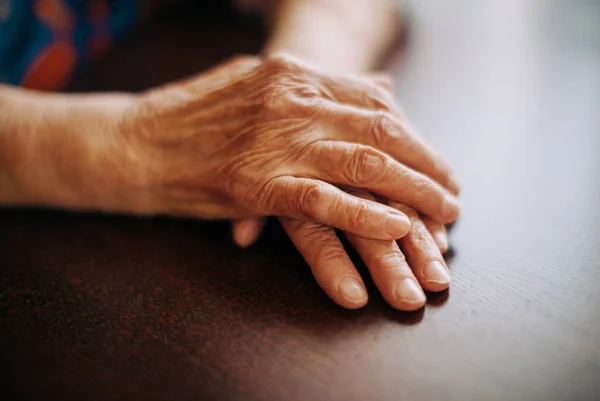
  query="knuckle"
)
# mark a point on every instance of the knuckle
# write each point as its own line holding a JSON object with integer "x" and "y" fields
{"x": 316, "y": 233}
{"x": 381, "y": 128}
{"x": 313, "y": 229}
{"x": 419, "y": 236}
{"x": 311, "y": 201}
{"x": 291, "y": 226}
{"x": 360, "y": 216}
{"x": 309, "y": 91}
{"x": 389, "y": 262}
{"x": 331, "y": 253}
{"x": 367, "y": 165}
{"x": 421, "y": 184}
{"x": 286, "y": 90}
{"x": 274, "y": 100}
{"x": 432, "y": 189}
{"x": 277, "y": 100}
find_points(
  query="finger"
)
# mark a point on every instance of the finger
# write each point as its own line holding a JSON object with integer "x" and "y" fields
{"x": 247, "y": 231}
{"x": 423, "y": 254}
{"x": 388, "y": 130}
{"x": 390, "y": 134}
{"x": 364, "y": 167}
{"x": 390, "y": 271}
{"x": 357, "y": 94}
{"x": 329, "y": 262}
{"x": 318, "y": 201}
{"x": 438, "y": 232}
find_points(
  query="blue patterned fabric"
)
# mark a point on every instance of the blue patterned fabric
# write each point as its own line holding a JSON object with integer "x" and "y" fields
{"x": 39, "y": 38}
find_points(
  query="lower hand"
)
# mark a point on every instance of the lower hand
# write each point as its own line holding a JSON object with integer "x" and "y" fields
{"x": 401, "y": 270}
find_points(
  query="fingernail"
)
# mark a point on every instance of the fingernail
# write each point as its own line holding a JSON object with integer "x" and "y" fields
{"x": 407, "y": 290}
{"x": 441, "y": 239}
{"x": 436, "y": 272}
{"x": 351, "y": 290}
{"x": 396, "y": 225}
{"x": 450, "y": 208}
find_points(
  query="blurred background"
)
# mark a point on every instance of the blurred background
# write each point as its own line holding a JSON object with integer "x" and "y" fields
{"x": 507, "y": 90}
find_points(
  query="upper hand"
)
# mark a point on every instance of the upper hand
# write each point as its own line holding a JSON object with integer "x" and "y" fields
{"x": 270, "y": 137}
{"x": 401, "y": 270}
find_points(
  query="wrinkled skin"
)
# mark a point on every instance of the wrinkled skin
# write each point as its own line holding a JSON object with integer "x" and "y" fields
{"x": 277, "y": 137}
{"x": 400, "y": 270}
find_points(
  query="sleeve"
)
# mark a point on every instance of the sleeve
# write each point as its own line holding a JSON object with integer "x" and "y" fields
{"x": 44, "y": 42}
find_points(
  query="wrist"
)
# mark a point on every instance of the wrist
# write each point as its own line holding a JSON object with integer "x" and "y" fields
{"x": 64, "y": 150}
{"x": 329, "y": 32}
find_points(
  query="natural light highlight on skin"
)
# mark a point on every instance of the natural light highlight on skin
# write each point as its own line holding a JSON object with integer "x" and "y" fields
{"x": 306, "y": 132}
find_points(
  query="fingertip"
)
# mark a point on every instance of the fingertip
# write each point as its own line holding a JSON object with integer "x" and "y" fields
{"x": 441, "y": 240}
{"x": 408, "y": 295}
{"x": 450, "y": 209}
{"x": 352, "y": 292}
{"x": 436, "y": 276}
{"x": 241, "y": 239}
{"x": 330, "y": 264}
{"x": 454, "y": 187}
{"x": 397, "y": 224}
{"x": 353, "y": 306}
{"x": 435, "y": 287}
{"x": 408, "y": 306}
{"x": 246, "y": 232}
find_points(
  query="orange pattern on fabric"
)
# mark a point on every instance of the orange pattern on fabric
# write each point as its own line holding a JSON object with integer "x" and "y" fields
{"x": 56, "y": 14}
{"x": 52, "y": 68}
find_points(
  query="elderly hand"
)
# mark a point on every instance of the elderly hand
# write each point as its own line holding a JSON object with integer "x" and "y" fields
{"x": 274, "y": 137}
{"x": 401, "y": 270}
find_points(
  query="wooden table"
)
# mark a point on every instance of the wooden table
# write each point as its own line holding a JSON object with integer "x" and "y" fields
{"x": 105, "y": 308}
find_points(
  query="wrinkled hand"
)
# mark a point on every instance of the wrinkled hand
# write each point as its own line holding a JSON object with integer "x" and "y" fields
{"x": 274, "y": 137}
{"x": 401, "y": 270}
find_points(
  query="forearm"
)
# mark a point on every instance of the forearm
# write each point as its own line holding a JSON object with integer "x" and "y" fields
{"x": 338, "y": 34}
{"x": 53, "y": 151}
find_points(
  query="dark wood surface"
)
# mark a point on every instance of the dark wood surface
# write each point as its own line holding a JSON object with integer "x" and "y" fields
{"x": 106, "y": 307}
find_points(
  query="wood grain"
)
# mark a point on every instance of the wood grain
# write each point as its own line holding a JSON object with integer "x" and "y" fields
{"x": 110, "y": 307}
